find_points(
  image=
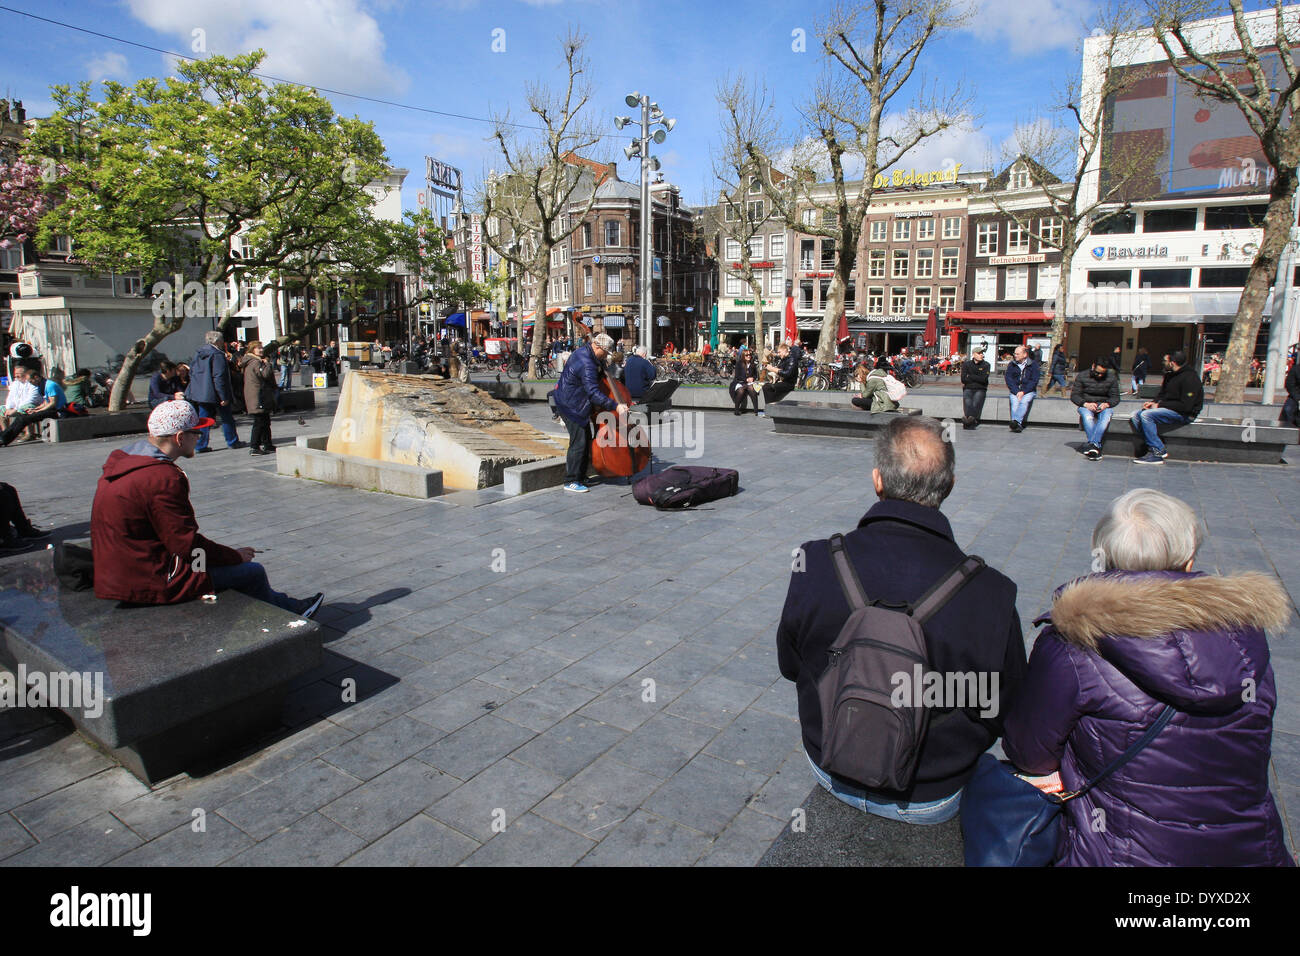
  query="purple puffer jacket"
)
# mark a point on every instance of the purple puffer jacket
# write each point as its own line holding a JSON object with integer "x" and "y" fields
{"x": 1122, "y": 645}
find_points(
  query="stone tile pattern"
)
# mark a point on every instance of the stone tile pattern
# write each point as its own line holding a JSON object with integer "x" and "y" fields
{"x": 608, "y": 695}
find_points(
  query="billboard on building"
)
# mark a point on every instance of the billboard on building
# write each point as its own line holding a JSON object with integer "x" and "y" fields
{"x": 1184, "y": 144}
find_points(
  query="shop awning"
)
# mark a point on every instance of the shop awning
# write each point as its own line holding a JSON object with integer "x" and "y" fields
{"x": 1007, "y": 318}
{"x": 456, "y": 318}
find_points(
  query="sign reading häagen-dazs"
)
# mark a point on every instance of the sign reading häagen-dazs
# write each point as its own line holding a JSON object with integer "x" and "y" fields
{"x": 910, "y": 177}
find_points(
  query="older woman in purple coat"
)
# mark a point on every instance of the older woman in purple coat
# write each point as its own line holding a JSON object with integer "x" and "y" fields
{"x": 1121, "y": 645}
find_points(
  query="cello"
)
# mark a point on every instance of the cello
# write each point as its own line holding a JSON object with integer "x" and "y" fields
{"x": 622, "y": 451}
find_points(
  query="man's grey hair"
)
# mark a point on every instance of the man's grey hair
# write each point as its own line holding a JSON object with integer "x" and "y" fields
{"x": 915, "y": 462}
{"x": 1147, "y": 530}
{"x": 603, "y": 341}
{"x": 214, "y": 337}
{"x": 640, "y": 350}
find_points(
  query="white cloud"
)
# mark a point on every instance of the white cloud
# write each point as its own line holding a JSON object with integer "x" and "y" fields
{"x": 328, "y": 43}
{"x": 968, "y": 146}
{"x": 106, "y": 66}
{"x": 1030, "y": 26}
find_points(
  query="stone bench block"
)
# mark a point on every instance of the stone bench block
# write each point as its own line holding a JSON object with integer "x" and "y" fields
{"x": 96, "y": 425}
{"x": 356, "y": 472}
{"x": 1225, "y": 440}
{"x": 534, "y": 476}
{"x": 822, "y": 418}
{"x": 181, "y": 684}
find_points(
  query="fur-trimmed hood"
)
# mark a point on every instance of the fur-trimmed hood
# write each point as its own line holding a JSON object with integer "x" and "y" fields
{"x": 1179, "y": 636}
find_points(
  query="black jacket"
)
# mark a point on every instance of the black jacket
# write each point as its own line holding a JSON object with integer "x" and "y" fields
{"x": 1088, "y": 389}
{"x": 1293, "y": 381}
{"x": 975, "y": 375}
{"x": 744, "y": 371}
{"x": 1141, "y": 366}
{"x": 1182, "y": 392}
{"x": 900, "y": 549}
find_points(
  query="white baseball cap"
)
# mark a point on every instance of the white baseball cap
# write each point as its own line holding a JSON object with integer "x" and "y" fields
{"x": 175, "y": 416}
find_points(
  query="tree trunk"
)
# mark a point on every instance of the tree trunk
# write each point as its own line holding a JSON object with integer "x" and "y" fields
{"x": 539, "y": 324}
{"x": 835, "y": 296}
{"x": 1068, "y": 245}
{"x": 131, "y": 361}
{"x": 1259, "y": 282}
{"x": 760, "y": 340}
{"x": 277, "y": 317}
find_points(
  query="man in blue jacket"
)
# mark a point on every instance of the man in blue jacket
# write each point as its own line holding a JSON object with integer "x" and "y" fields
{"x": 1022, "y": 382}
{"x": 210, "y": 389}
{"x": 577, "y": 394}
{"x": 638, "y": 373}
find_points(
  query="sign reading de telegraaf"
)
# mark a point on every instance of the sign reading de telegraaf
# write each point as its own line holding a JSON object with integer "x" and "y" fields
{"x": 910, "y": 177}
{"x": 441, "y": 176}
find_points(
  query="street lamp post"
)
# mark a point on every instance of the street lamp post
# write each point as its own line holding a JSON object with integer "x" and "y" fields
{"x": 650, "y": 115}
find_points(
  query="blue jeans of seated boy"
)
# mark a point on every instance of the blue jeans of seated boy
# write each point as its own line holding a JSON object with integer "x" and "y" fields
{"x": 1095, "y": 423}
{"x": 1020, "y": 406}
{"x": 1147, "y": 421}
{"x": 924, "y": 813}
{"x": 250, "y": 578}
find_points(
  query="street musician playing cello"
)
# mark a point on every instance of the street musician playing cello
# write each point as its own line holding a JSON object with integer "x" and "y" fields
{"x": 576, "y": 397}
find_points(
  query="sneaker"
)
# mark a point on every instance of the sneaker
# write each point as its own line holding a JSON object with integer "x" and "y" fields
{"x": 311, "y": 605}
{"x": 1017, "y": 427}
{"x": 1093, "y": 453}
{"x": 260, "y": 451}
{"x": 576, "y": 487}
{"x": 762, "y": 414}
{"x": 1163, "y": 453}
{"x": 1150, "y": 458}
{"x": 33, "y": 534}
{"x": 237, "y": 444}
{"x": 203, "y": 451}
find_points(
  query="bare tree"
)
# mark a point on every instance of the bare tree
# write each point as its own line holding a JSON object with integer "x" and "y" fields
{"x": 849, "y": 122}
{"x": 748, "y": 132}
{"x": 1075, "y": 146}
{"x": 538, "y": 202}
{"x": 1267, "y": 96}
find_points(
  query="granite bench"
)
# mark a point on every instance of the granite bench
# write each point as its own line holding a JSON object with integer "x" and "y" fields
{"x": 1240, "y": 440}
{"x": 825, "y": 418}
{"x": 163, "y": 689}
{"x": 98, "y": 424}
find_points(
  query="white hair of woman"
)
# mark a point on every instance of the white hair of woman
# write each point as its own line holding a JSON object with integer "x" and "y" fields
{"x": 1148, "y": 530}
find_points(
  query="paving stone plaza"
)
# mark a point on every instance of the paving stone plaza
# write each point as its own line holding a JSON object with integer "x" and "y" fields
{"x": 611, "y": 696}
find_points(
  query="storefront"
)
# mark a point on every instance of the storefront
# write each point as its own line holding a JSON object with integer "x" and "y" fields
{"x": 736, "y": 326}
{"x": 1000, "y": 332}
{"x": 887, "y": 334}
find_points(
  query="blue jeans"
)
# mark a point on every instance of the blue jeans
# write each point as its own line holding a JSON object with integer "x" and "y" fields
{"x": 1146, "y": 425}
{"x": 923, "y": 813}
{"x": 284, "y": 376}
{"x": 221, "y": 413}
{"x": 1094, "y": 424}
{"x": 250, "y": 578}
{"x": 1020, "y": 406}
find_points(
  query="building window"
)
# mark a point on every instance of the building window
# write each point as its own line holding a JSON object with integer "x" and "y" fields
{"x": 810, "y": 217}
{"x": 1017, "y": 238}
{"x": 612, "y": 233}
{"x": 1169, "y": 220}
{"x": 876, "y": 264}
{"x": 564, "y": 288}
{"x": 1049, "y": 281}
{"x": 947, "y": 298}
{"x": 898, "y": 300}
{"x": 828, "y": 217}
{"x": 11, "y": 258}
{"x": 1235, "y": 217}
{"x": 850, "y": 297}
{"x": 924, "y": 229}
{"x": 586, "y": 280}
{"x": 948, "y": 264}
{"x": 876, "y": 301}
{"x": 555, "y": 257}
{"x": 1020, "y": 177}
{"x": 1050, "y": 232}
{"x": 729, "y": 212}
{"x": 921, "y": 300}
{"x": 1017, "y": 282}
{"x": 756, "y": 211}
{"x": 952, "y": 227}
{"x": 564, "y": 254}
{"x": 924, "y": 263}
{"x": 828, "y": 254}
{"x": 755, "y": 184}
{"x": 879, "y": 230}
{"x": 986, "y": 241}
{"x": 131, "y": 285}
{"x": 805, "y": 295}
{"x": 756, "y": 249}
{"x": 614, "y": 282}
{"x": 733, "y": 285}
{"x": 733, "y": 250}
{"x": 1165, "y": 278}
{"x": 586, "y": 235}
{"x": 776, "y": 243}
{"x": 1121, "y": 278}
{"x": 900, "y": 264}
{"x": 250, "y": 295}
{"x": 61, "y": 245}
{"x": 986, "y": 284}
{"x": 1223, "y": 278}
{"x": 776, "y": 282}
{"x": 806, "y": 250}
{"x": 1121, "y": 223}
{"x": 902, "y": 230}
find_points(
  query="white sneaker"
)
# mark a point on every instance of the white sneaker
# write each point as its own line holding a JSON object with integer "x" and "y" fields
{"x": 576, "y": 488}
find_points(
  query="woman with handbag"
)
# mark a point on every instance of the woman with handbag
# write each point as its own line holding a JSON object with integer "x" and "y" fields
{"x": 258, "y": 378}
{"x": 1151, "y": 689}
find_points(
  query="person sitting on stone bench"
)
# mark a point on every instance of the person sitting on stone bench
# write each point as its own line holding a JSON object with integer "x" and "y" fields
{"x": 1096, "y": 393}
{"x": 54, "y": 406}
{"x": 1178, "y": 402}
{"x": 873, "y": 395}
{"x": 16, "y": 529}
{"x": 144, "y": 536}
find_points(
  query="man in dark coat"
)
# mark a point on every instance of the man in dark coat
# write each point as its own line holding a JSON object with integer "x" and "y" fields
{"x": 902, "y": 547}
{"x": 1096, "y": 393}
{"x": 1057, "y": 372}
{"x": 1291, "y": 410}
{"x": 578, "y": 393}
{"x": 974, "y": 388}
{"x": 787, "y": 375}
{"x": 145, "y": 538}
{"x": 210, "y": 390}
{"x": 1178, "y": 403}
{"x": 1022, "y": 383}
{"x": 638, "y": 373}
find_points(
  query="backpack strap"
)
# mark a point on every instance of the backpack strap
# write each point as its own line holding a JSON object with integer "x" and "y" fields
{"x": 1166, "y": 715}
{"x": 943, "y": 591}
{"x": 850, "y": 583}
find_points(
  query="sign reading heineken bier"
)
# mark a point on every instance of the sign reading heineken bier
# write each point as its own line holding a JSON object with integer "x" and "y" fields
{"x": 905, "y": 177}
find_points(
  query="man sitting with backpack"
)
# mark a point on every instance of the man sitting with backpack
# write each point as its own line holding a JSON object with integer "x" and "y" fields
{"x": 960, "y": 655}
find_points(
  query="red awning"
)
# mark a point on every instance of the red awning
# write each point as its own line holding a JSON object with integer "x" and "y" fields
{"x": 1010, "y": 318}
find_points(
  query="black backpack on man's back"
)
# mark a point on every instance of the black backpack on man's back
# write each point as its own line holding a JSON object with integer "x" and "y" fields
{"x": 866, "y": 739}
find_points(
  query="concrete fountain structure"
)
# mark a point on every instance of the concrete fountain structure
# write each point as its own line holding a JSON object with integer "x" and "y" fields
{"x": 417, "y": 435}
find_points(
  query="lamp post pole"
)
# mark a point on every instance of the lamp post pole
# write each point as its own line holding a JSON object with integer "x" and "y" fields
{"x": 647, "y": 250}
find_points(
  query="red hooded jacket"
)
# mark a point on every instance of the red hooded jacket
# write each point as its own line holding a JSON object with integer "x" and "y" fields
{"x": 144, "y": 534}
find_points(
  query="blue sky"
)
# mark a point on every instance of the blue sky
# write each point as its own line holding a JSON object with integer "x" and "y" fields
{"x": 438, "y": 54}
